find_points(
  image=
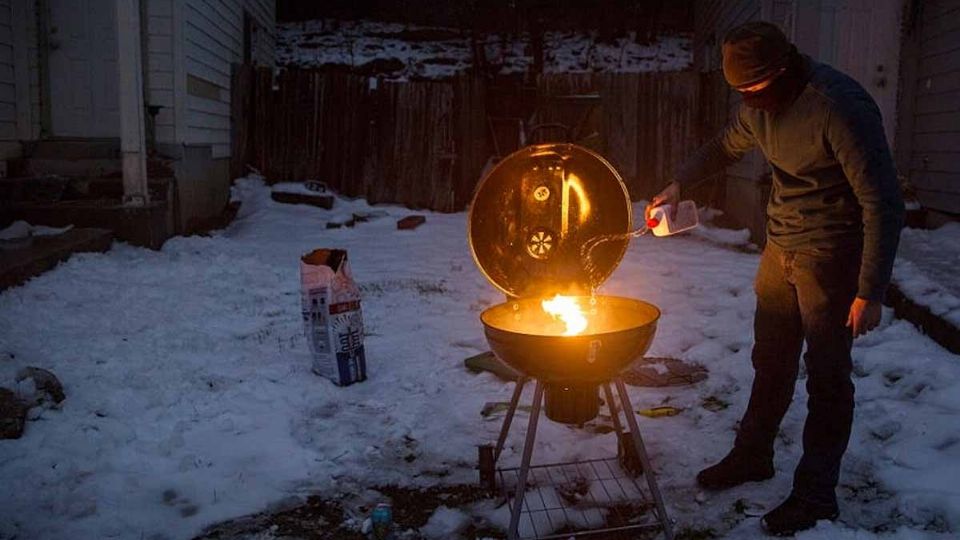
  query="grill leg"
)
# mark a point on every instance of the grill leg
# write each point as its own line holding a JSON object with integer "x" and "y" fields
{"x": 508, "y": 419}
{"x": 614, "y": 412}
{"x": 513, "y": 532}
{"x": 644, "y": 459}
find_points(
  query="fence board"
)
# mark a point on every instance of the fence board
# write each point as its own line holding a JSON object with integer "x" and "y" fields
{"x": 424, "y": 143}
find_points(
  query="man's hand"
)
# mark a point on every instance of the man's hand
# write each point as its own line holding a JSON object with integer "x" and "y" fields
{"x": 864, "y": 316}
{"x": 670, "y": 195}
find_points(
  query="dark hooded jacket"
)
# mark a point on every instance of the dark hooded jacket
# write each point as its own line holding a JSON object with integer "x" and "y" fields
{"x": 834, "y": 181}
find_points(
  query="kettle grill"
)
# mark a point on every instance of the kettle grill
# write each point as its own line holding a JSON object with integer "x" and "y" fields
{"x": 529, "y": 220}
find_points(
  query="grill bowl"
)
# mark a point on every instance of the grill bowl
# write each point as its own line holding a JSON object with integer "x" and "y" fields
{"x": 522, "y": 335}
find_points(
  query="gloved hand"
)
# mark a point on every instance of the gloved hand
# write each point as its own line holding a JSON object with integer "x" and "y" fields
{"x": 670, "y": 195}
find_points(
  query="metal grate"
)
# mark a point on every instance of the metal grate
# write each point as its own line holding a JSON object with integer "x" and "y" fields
{"x": 593, "y": 498}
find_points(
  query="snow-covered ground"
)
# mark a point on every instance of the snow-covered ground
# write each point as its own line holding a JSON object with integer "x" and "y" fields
{"x": 405, "y": 51}
{"x": 926, "y": 269}
{"x": 190, "y": 399}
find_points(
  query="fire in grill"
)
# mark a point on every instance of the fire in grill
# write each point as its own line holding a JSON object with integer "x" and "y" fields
{"x": 616, "y": 331}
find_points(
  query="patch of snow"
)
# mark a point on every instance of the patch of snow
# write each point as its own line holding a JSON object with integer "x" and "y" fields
{"x": 926, "y": 269}
{"x": 445, "y": 523}
{"x": 190, "y": 398}
{"x": 407, "y": 51}
{"x": 21, "y": 229}
{"x": 299, "y": 188}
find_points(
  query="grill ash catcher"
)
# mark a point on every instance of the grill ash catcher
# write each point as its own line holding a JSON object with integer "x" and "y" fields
{"x": 549, "y": 220}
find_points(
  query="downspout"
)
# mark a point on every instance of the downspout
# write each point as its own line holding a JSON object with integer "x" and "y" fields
{"x": 132, "y": 128}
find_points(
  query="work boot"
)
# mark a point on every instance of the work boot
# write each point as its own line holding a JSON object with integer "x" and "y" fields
{"x": 737, "y": 468}
{"x": 796, "y": 515}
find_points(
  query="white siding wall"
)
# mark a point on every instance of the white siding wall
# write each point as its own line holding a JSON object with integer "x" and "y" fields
{"x": 8, "y": 87}
{"x": 160, "y": 70}
{"x": 27, "y": 10}
{"x": 192, "y": 45}
{"x": 19, "y": 80}
{"x": 212, "y": 38}
{"x": 934, "y": 137}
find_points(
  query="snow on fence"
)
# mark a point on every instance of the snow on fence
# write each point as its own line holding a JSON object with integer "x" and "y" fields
{"x": 425, "y": 143}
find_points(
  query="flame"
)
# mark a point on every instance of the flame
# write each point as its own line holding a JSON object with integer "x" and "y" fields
{"x": 566, "y": 309}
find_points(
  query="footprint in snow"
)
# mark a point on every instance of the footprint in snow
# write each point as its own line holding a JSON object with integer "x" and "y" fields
{"x": 182, "y": 504}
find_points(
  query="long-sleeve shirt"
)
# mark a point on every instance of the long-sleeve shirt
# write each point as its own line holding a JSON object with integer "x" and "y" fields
{"x": 834, "y": 181}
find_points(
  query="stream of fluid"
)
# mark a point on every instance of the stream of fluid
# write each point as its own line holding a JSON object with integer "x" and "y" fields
{"x": 586, "y": 251}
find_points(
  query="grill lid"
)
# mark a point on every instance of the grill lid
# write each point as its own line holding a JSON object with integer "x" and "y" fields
{"x": 531, "y": 214}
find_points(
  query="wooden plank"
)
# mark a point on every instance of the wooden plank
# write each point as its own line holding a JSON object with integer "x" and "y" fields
{"x": 162, "y": 97}
{"x": 946, "y": 182}
{"x": 22, "y": 14}
{"x": 159, "y": 80}
{"x": 943, "y": 42}
{"x": 159, "y": 44}
{"x": 939, "y": 83}
{"x": 937, "y": 21}
{"x": 424, "y": 143}
{"x": 204, "y": 16}
{"x": 941, "y": 62}
{"x": 944, "y": 122}
{"x": 204, "y": 135}
{"x": 937, "y": 103}
{"x": 178, "y": 52}
{"x": 936, "y": 142}
{"x": 939, "y": 200}
{"x": 211, "y": 43}
{"x": 160, "y": 26}
{"x": 936, "y": 162}
{"x": 204, "y": 71}
{"x": 160, "y": 8}
{"x": 45, "y": 252}
{"x": 201, "y": 119}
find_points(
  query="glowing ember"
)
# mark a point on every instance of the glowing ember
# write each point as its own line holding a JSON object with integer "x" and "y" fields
{"x": 566, "y": 309}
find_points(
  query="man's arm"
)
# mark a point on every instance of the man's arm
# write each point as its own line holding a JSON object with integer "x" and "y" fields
{"x": 727, "y": 147}
{"x": 855, "y": 133}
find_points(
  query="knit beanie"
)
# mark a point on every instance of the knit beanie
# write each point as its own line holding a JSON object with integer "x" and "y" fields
{"x": 753, "y": 52}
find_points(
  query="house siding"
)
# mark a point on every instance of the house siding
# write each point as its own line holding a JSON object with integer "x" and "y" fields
{"x": 160, "y": 67}
{"x": 932, "y": 156}
{"x": 8, "y": 87}
{"x": 19, "y": 81}
{"x": 213, "y": 41}
{"x": 193, "y": 43}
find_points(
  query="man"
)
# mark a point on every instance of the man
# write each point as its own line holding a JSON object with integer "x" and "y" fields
{"x": 834, "y": 220}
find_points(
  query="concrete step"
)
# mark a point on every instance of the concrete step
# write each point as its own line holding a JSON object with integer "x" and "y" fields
{"x": 53, "y": 189}
{"x": 22, "y": 260}
{"x": 108, "y": 148}
{"x": 85, "y": 167}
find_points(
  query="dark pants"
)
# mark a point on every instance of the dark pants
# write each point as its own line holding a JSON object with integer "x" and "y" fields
{"x": 803, "y": 296}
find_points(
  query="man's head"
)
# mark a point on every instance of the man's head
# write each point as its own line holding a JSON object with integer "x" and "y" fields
{"x": 760, "y": 63}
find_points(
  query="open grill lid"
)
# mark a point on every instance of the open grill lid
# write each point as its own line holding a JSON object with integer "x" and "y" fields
{"x": 532, "y": 213}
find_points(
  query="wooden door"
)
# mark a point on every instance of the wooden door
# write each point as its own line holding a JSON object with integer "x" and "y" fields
{"x": 83, "y": 79}
{"x": 862, "y": 39}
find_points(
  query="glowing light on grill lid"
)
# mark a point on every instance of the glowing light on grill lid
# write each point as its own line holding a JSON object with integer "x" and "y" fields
{"x": 566, "y": 309}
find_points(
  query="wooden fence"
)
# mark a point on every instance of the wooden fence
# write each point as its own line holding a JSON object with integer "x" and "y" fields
{"x": 424, "y": 144}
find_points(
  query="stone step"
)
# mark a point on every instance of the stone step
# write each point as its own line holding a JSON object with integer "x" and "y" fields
{"x": 108, "y": 148}
{"x": 24, "y": 259}
{"x": 86, "y": 167}
{"x": 50, "y": 189}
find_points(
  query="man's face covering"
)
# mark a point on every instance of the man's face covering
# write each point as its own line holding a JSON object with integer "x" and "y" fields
{"x": 779, "y": 93}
